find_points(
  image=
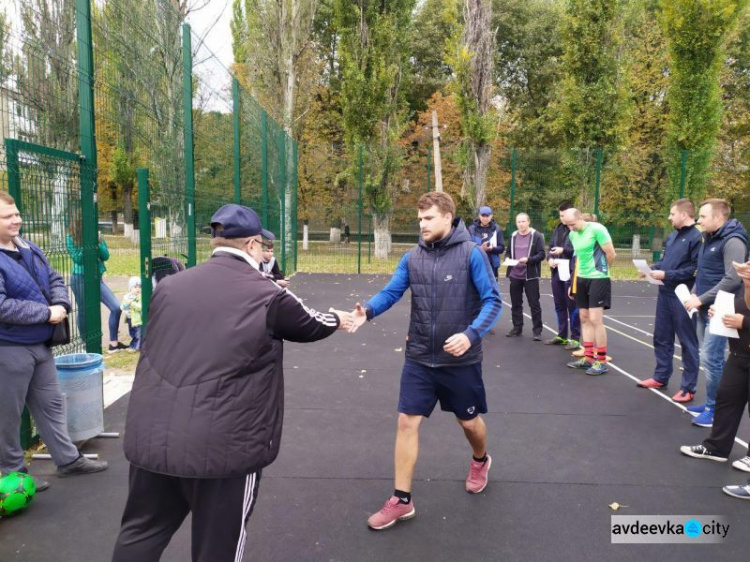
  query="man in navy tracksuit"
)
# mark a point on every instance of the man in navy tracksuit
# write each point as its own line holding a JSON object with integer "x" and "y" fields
{"x": 566, "y": 308}
{"x": 455, "y": 300}
{"x": 677, "y": 266}
{"x": 483, "y": 231}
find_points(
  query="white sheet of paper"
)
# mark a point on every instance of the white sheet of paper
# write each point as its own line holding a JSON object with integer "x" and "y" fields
{"x": 724, "y": 304}
{"x": 493, "y": 240}
{"x": 563, "y": 269}
{"x": 643, "y": 267}
{"x": 683, "y": 293}
{"x": 509, "y": 262}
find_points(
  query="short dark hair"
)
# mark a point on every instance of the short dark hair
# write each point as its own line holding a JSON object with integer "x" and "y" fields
{"x": 7, "y": 198}
{"x": 719, "y": 207}
{"x": 685, "y": 206}
{"x": 564, "y": 206}
{"x": 439, "y": 199}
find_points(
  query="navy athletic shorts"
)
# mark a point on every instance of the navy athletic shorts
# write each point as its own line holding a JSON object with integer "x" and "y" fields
{"x": 459, "y": 389}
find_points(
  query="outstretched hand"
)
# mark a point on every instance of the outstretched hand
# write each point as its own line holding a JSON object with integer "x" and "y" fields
{"x": 457, "y": 345}
{"x": 345, "y": 318}
{"x": 743, "y": 270}
{"x": 359, "y": 317}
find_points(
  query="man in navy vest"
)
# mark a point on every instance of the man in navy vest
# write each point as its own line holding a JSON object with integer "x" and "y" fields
{"x": 444, "y": 345}
{"x": 677, "y": 266}
{"x": 724, "y": 241}
{"x": 33, "y": 298}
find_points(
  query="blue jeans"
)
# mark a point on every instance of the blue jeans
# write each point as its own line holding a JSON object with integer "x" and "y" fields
{"x": 108, "y": 299}
{"x": 713, "y": 356}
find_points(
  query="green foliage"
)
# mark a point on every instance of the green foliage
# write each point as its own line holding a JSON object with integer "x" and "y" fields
{"x": 373, "y": 64}
{"x": 238, "y": 28}
{"x": 697, "y": 31}
{"x": 590, "y": 100}
{"x": 528, "y": 67}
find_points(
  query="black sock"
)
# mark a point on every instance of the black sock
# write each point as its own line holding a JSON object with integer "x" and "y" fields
{"x": 482, "y": 460}
{"x": 403, "y": 497}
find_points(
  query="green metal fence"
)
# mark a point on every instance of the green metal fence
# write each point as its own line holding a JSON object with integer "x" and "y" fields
{"x": 91, "y": 91}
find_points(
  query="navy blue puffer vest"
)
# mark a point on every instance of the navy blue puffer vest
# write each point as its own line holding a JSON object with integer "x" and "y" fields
{"x": 443, "y": 299}
{"x": 711, "y": 255}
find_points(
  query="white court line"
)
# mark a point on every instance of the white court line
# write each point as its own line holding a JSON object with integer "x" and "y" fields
{"x": 633, "y": 377}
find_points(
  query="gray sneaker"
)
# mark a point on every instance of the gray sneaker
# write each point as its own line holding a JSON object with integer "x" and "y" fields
{"x": 40, "y": 483}
{"x": 81, "y": 466}
{"x": 742, "y": 464}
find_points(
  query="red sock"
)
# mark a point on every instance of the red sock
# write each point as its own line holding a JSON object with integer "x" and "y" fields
{"x": 588, "y": 351}
{"x": 601, "y": 354}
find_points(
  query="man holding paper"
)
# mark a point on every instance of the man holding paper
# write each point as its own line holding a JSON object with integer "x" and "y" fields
{"x": 526, "y": 253}
{"x": 677, "y": 266}
{"x": 485, "y": 232}
{"x": 734, "y": 391}
{"x": 724, "y": 241}
{"x": 560, "y": 256}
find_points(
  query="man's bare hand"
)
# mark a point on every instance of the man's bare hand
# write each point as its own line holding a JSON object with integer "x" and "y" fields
{"x": 345, "y": 319}
{"x": 523, "y": 260}
{"x": 359, "y": 317}
{"x": 693, "y": 303}
{"x": 486, "y": 247}
{"x": 556, "y": 251}
{"x": 57, "y": 314}
{"x": 743, "y": 270}
{"x": 733, "y": 321}
{"x": 457, "y": 345}
{"x": 552, "y": 263}
{"x": 658, "y": 275}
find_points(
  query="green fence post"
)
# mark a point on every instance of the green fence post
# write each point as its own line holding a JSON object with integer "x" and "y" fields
{"x": 236, "y": 113}
{"x": 264, "y": 167}
{"x": 88, "y": 163}
{"x": 187, "y": 96}
{"x": 683, "y": 172}
{"x": 513, "y": 162}
{"x": 598, "y": 180}
{"x": 144, "y": 212}
{"x": 359, "y": 241}
{"x": 369, "y": 238}
{"x": 14, "y": 172}
{"x": 293, "y": 210}
{"x": 282, "y": 195}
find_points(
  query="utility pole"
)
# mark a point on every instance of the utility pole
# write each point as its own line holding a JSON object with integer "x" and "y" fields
{"x": 436, "y": 152}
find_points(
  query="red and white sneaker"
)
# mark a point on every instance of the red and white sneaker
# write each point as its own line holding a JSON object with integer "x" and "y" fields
{"x": 393, "y": 511}
{"x": 651, "y": 383}
{"x": 478, "y": 475}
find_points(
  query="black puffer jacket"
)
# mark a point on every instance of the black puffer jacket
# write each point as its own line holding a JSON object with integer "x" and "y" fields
{"x": 208, "y": 396}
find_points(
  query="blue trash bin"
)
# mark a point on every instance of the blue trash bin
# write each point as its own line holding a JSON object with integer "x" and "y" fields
{"x": 81, "y": 377}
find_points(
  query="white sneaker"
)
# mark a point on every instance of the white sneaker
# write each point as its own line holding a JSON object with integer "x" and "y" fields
{"x": 742, "y": 464}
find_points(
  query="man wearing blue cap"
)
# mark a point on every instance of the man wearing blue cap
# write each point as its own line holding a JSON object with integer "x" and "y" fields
{"x": 485, "y": 232}
{"x": 207, "y": 404}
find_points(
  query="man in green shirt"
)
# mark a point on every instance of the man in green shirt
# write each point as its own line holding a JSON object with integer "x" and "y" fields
{"x": 594, "y": 254}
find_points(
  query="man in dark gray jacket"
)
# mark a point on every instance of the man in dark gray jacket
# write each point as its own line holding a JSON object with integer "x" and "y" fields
{"x": 33, "y": 298}
{"x": 207, "y": 404}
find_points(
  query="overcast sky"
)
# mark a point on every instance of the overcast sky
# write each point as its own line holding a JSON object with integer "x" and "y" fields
{"x": 219, "y": 39}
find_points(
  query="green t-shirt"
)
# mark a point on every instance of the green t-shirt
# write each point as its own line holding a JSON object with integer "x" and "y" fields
{"x": 587, "y": 243}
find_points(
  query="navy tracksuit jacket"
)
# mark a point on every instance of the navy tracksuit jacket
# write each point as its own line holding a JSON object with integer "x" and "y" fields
{"x": 679, "y": 262}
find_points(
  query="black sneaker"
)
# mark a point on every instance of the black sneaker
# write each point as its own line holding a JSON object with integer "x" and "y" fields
{"x": 115, "y": 348}
{"x": 513, "y": 333}
{"x": 40, "y": 483}
{"x": 82, "y": 465}
{"x": 537, "y": 337}
{"x": 700, "y": 452}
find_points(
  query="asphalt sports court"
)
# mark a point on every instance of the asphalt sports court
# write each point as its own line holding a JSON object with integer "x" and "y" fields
{"x": 565, "y": 446}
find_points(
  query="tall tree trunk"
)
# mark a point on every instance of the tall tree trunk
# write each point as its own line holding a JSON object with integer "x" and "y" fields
{"x": 382, "y": 231}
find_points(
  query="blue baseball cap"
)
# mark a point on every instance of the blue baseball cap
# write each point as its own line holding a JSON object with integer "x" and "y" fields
{"x": 485, "y": 210}
{"x": 237, "y": 222}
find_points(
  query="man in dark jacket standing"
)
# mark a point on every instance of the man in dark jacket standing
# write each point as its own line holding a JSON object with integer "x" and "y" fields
{"x": 677, "y": 266}
{"x": 566, "y": 310}
{"x": 526, "y": 245}
{"x": 33, "y": 298}
{"x": 485, "y": 232}
{"x": 207, "y": 404}
{"x": 724, "y": 242}
{"x": 455, "y": 301}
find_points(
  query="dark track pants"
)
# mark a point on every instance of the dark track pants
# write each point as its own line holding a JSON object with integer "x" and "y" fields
{"x": 158, "y": 504}
{"x": 531, "y": 288}
{"x": 671, "y": 318}
{"x": 566, "y": 310}
{"x": 731, "y": 400}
